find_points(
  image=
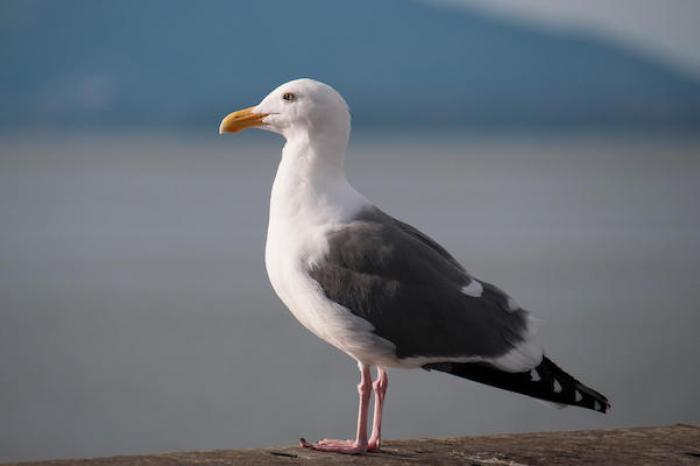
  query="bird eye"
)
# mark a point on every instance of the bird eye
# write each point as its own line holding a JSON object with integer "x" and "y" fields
{"x": 289, "y": 96}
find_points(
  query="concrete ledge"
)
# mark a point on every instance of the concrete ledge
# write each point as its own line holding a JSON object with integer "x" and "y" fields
{"x": 676, "y": 445}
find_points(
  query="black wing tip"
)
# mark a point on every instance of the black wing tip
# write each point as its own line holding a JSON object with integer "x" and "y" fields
{"x": 546, "y": 382}
{"x": 579, "y": 394}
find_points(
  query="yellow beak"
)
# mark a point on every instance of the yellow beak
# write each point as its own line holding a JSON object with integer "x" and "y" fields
{"x": 240, "y": 120}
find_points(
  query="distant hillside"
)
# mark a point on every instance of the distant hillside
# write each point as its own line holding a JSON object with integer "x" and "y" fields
{"x": 176, "y": 62}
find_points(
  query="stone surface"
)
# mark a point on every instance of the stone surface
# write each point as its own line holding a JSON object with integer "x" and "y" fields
{"x": 641, "y": 446}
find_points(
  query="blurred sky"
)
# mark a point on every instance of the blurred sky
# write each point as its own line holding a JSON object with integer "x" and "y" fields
{"x": 667, "y": 28}
{"x": 145, "y": 64}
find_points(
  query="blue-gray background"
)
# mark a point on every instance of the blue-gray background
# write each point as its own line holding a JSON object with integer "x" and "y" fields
{"x": 135, "y": 315}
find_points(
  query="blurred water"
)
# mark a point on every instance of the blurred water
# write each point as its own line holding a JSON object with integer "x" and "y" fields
{"x": 136, "y": 314}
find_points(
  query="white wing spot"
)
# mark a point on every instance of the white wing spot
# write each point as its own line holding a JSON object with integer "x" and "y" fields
{"x": 474, "y": 289}
{"x": 512, "y": 305}
{"x": 579, "y": 397}
{"x": 557, "y": 386}
{"x": 597, "y": 405}
{"x": 535, "y": 375}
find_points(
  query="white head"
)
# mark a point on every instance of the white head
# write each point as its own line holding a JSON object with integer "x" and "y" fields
{"x": 303, "y": 111}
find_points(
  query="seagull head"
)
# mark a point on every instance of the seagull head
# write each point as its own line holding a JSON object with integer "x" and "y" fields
{"x": 303, "y": 108}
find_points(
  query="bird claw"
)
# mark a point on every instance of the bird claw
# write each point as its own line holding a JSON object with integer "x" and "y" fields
{"x": 349, "y": 447}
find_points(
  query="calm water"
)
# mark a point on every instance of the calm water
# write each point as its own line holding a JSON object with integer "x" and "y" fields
{"x": 136, "y": 316}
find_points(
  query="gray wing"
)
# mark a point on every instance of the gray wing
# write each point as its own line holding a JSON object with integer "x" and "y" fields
{"x": 410, "y": 289}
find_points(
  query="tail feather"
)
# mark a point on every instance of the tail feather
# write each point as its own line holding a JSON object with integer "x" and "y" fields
{"x": 546, "y": 382}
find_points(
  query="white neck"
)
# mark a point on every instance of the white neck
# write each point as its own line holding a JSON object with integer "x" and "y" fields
{"x": 310, "y": 187}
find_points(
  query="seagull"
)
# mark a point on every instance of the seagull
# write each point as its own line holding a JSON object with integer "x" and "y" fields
{"x": 375, "y": 287}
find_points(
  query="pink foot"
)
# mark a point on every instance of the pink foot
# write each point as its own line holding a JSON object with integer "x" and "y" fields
{"x": 331, "y": 441}
{"x": 359, "y": 445}
{"x": 349, "y": 447}
{"x": 374, "y": 445}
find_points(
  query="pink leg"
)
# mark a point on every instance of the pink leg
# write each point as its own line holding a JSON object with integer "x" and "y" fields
{"x": 380, "y": 385}
{"x": 359, "y": 445}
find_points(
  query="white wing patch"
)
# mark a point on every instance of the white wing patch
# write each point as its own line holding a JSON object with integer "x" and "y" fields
{"x": 474, "y": 289}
